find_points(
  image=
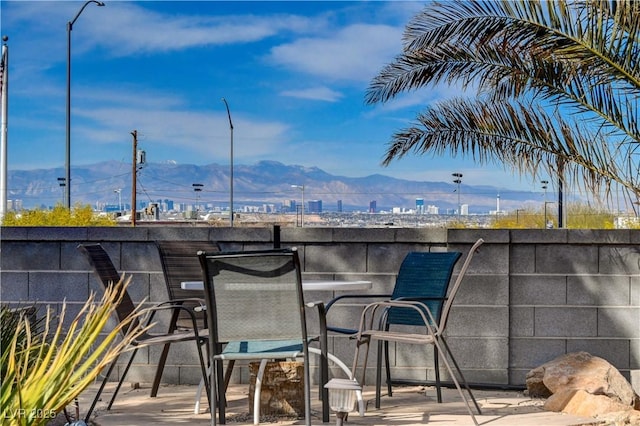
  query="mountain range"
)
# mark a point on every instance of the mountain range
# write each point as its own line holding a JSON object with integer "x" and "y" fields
{"x": 266, "y": 182}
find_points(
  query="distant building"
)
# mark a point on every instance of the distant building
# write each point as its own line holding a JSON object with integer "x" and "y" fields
{"x": 419, "y": 205}
{"x": 431, "y": 209}
{"x": 464, "y": 210}
{"x": 339, "y": 206}
{"x": 373, "y": 206}
{"x": 289, "y": 206}
{"x": 315, "y": 206}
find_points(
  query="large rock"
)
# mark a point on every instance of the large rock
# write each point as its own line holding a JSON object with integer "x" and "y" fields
{"x": 581, "y": 371}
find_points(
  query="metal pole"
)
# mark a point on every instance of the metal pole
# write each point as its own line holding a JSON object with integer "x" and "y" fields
{"x": 301, "y": 187}
{"x": 230, "y": 166}
{"x": 458, "y": 181}
{"x": 67, "y": 164}
{"x": 4, "y": 69}
{"x": 134, "y": 172}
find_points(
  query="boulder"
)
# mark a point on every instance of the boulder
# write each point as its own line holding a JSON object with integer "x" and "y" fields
{"x": 581, "y": 371}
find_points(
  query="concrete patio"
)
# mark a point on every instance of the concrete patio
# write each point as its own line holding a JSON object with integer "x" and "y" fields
{"x": 411, "y": 405}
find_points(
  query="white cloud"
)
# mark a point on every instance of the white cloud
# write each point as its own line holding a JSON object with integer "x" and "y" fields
{"x": 352, "y": 53}
{"x": 319, "y": 93}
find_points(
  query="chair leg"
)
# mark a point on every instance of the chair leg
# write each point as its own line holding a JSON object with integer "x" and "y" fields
{"x": 464, "y": 381}
{"x": 124, "y": 374}
{"x": 455, "y": 380}
{"x": 163, "y": 356}
{"x": 379, "y": 374}
{"x": 256, "y": 393}
{"x": 436, "y": 366}
{"x": 222, "y": 395}
{"x": 205, "y": 376}
{"x": 159, "y": 370}
{"x": 388, "y": 368}
{"x": 214, "y": 395}
{"x": 102, "y": 385}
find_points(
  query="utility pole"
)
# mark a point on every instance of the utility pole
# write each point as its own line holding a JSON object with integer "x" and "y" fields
{"x": 134, "y": 165}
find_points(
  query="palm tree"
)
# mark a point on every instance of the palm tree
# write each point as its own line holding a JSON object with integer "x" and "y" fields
{"x": 558, "y": 87}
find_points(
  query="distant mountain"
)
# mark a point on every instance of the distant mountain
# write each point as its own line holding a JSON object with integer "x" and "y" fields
{"x": 269, "y": 182}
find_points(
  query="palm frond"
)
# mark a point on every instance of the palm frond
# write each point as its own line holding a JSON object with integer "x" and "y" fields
{"x": 523, "y": 137}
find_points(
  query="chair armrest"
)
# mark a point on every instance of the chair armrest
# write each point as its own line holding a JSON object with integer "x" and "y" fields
{"x": 344, "y": 330}
{"x": 353, "y": 296}
{"x": 151, "y": 311}
{"x": 420, "y": 308}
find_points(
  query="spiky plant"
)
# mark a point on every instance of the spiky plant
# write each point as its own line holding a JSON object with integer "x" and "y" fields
{"x": 44, "y": 372}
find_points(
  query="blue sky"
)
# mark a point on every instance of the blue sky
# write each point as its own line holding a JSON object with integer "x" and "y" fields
{"x": 293, "y": 72}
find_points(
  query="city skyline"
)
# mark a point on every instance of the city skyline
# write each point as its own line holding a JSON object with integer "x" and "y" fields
{"x": 294, "y": 75}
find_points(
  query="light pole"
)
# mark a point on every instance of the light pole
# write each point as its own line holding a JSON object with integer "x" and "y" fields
{"x": 197, "y": 187}
{"x": 545, "y": 184}
{"x": 61, "y": 182}
{"x": 458, "y": 181}
{"x": 119, "y": 192}
{"x": 301, "y": 187}
{"x": 230, "y": 165}
{"x": 67, "y": 164}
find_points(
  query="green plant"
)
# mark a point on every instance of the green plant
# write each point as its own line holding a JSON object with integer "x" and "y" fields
{"x": 556, "y": 84}
{"x": 79, "y": 215}
{"x": 44, "y": 372}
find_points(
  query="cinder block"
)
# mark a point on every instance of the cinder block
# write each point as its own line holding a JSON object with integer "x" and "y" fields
{"x": 421, "y": 235}
{"x": 619, "y": 322}
{"x": 30, "y": 256}
{"x": 478, "y": 321}
{"x": 538, "y": 289}
{"x": 336, "y": 258}
{"x": 520, "y": 259}
{"x": 615, "y": 351}
{"x": 634, "y": 354}
{"x": 14, "y": 286}
{"x": 480, "y": 353}
{"x": 566, "y": 322}
{"x": 521, "y": 322}
{"x": 598, "y": 290}
{"x": 531, "y": 353}
{"x": 484, "y": 290}
{"x": 469, "y": 236}
{"x": 388, "y": 258}
{"x": 54, "y": 287}
{"x": 363, "y": 235}
{"x": 619, "y": 260}
{"x": 490, "y": 259}
{"x": 599, "y": 236}
{"x": 564, "y": 259}
{"x": 539, "y": 236}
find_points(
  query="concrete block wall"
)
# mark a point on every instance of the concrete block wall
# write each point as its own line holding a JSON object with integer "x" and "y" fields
{"x": 529, "y": 295}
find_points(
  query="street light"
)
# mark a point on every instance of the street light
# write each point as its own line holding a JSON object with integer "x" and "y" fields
{"x": 68, "y": 144}
{"x": 230, "y": 166}
{"x": 197, "y": 187}
{"x": 547, "y": 225}
{"x": 301, "y": 187}
{"x": 61, "y": 182}
{"x": 119, "y": 192}
{"x": 458, "y": 181}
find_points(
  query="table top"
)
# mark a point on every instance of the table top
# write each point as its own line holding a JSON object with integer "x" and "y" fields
{"x": 307, "y": 285}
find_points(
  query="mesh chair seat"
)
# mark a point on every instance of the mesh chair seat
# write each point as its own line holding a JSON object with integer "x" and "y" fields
{"x": 255, "y": 311}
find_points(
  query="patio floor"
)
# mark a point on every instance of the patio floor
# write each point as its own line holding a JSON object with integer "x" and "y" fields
{"x": 410, "y": 405}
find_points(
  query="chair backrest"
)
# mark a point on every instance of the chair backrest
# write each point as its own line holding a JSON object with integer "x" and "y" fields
{"x": 423, "y": 276}
{"x": 107, "y": 274}
{"x": 180, "y": 263}
{"x": 428, "y": 276}
{"x": 456, "y": 285}
{"x": 254, "y": 295}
